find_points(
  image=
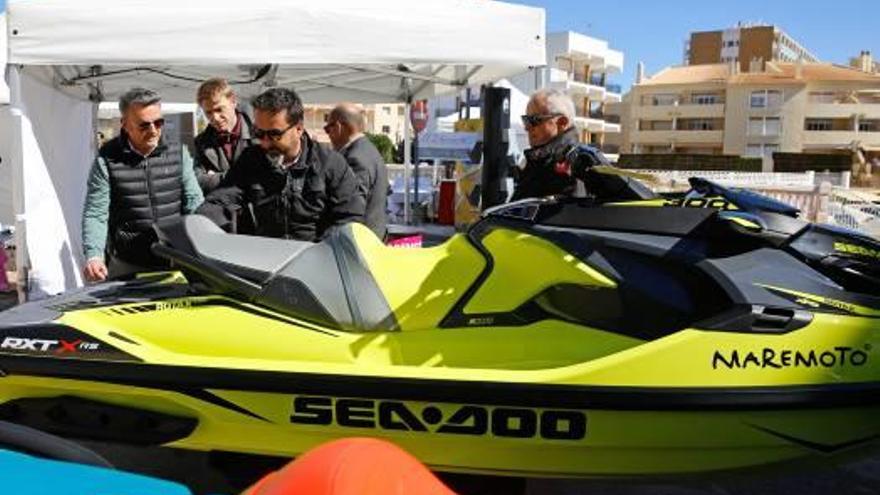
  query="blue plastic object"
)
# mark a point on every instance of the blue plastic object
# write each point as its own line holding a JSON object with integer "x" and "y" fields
{"x": 22, "y": 474}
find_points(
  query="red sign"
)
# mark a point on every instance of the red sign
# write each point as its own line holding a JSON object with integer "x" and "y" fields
{"x": 418, "y": 114}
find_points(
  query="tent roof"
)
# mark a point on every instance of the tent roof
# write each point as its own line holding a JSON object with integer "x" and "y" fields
{"x": 376, "y": 51}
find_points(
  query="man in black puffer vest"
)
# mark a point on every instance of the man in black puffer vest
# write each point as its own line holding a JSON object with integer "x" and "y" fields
{"x": 135, "y": 182}
{"x": 289, "y": 186}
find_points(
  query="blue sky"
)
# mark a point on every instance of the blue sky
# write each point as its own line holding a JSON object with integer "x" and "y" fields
{"x": 654, "y": 31}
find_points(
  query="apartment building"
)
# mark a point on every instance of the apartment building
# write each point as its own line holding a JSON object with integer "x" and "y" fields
{"x": 388, "y": 119}
{"x": 743, "y": 45}
{"x": 787, "y": 107}
{"x": 580, "y": 66}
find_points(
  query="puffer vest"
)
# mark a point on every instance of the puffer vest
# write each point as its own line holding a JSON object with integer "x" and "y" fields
{"x": 143, "y": 191}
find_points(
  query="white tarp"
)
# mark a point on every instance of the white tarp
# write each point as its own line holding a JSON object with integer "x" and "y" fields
{"x": 53, "y": 180}
{"x": 68, "y": 54}
{"x": 8, "y": 131}
{"x": 328, "y": 51}
{"x": 4, "y": 89}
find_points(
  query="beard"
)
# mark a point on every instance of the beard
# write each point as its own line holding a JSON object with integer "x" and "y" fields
{"x": 276, "y": 158}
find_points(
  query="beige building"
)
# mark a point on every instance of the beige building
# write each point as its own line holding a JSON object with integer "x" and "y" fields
{"x": 385, "y": 119}
{"x": 744, "y": 45}
{"x": 787, "y": 107}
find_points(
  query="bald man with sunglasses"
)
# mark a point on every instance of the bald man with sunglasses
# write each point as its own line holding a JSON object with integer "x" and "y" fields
{"x": 135, "y": 181}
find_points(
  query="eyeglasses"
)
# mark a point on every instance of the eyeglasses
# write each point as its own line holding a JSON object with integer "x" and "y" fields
{"x": 533, "y": 120}
{"x": 328, "y": 126}
{"x": 273, "y": 134}
{"x": 145, "y": 126}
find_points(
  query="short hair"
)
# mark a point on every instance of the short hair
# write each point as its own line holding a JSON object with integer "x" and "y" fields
{"x": 212, "y": 87}
{"x": 349, "y": 114}
{"x": 556, "y": 102}
{"x": 275, "y": 100}
{"x": 138, "y": 96}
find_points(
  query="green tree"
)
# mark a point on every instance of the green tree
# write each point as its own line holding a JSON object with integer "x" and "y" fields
{"x": 384, "y": 145}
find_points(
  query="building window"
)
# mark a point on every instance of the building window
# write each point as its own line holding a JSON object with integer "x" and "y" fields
{"x": 595, "y": 110}
{"x": 660, "y": 100}
{"x": 869, "y": 126}
{"x": 400, "y": 111}
{"x": 705, "y": 99}
{"x": 822, "y": 97}
{"x": 758, "y": 149}
{"x": 697, "y": 125}
{"x": 386, "y": 110}
{"x": 818, "y": 124}
{"x": 764, "y": 126}
{"x": 655, "y": 125}
{"x": 766, "y": 98}
{"x": 386, "y": 129}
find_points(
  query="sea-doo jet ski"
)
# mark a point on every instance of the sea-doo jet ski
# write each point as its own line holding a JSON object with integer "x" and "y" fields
{"x": 650, "y": 335}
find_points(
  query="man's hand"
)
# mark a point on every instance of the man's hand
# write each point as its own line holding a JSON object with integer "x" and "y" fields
{"x": 95, "y": 270}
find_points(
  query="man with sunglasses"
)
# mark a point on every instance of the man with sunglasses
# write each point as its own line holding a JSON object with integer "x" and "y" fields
{"x": 228, "y": 134}
{"x": 558, "y": 165}
{"x": 345, "y": 127}
{"x": 549, "y": 122}
{"x": 135, "y": 181}
{"x": 289, "y": 186}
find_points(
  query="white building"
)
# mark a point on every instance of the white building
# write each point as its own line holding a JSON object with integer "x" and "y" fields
{"x": 580, "y": 66}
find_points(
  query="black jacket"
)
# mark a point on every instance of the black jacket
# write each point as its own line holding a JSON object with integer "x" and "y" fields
{"x": 301, "y": 202}
{"x": 210, "y": 157}
{"x": 369, "y": 167}
{"x": 545, "y": 173}
{"x": 556, "y": 167}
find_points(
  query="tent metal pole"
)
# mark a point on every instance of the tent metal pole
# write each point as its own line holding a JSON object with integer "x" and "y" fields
{"x": 407, "y": 161}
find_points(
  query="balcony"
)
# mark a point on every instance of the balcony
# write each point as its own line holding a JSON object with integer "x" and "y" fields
{"x": 843, "y": 110}
{"x": 590, "y": 124}
{"x": 666, "y": 112}
{"x": 611, "y": 127}
{"x": 842, "y": 139}
{"x": 678, "y": 137}
{"x": 575, "y": 84}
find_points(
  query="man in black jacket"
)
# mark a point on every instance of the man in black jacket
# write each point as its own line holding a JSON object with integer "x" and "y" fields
{"x": 549, "y": 121}
{"x": 228, "y": 134}
{"x": 345, "y": 126}
{"x": 289, "y": 186}
{"x": 557, "y": 165}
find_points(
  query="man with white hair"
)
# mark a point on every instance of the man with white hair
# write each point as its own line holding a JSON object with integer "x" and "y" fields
{"x": 557, "y": 162}
{"x": 549, "y": 121}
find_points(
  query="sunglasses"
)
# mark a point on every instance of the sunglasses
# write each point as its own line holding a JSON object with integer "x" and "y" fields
{"x": 533, "y": 120}
{"x": 273, "y": 134}
{"x": 145, "y": 126}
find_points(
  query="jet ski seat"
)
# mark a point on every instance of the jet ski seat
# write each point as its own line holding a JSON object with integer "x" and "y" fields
{"x": 252, "y": 258}
{"x": 350, "y": 281}
{"x": 325, "y": 282}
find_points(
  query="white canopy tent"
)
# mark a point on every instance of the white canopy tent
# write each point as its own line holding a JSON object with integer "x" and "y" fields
{"x": 64, "y": 57}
